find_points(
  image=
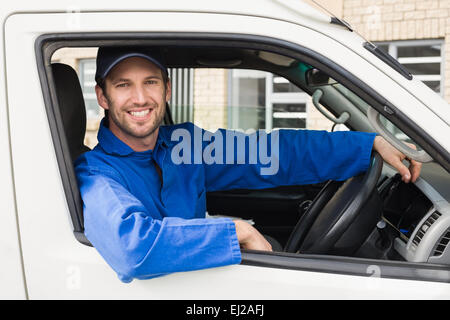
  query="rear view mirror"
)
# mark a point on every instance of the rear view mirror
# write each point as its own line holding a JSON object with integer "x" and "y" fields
{"x": 315, "y": 78}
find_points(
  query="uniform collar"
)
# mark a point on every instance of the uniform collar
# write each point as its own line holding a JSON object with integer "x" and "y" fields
{"x": 164, "y": 138}
{"x": 113, "y": 145}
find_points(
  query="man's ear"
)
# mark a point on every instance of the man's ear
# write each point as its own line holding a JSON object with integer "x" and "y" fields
{"x": 168, "y": 90}
{"x": 101, "y": 99}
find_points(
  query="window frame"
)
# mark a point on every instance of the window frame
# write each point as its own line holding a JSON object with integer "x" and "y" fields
{"x": 47, "y": 44}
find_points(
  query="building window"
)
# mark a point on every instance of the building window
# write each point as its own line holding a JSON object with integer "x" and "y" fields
{"x": 262, "y": 100}
{"x": 423, "y": 58}
{"x": 87, "y": 80}
{"x": 247, "y": 99}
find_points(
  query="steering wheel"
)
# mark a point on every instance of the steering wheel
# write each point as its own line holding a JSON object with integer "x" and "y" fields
{"x": 341, "y": 216}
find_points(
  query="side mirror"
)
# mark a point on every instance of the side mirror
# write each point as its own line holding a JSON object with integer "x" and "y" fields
{"x": 315, "y": 78}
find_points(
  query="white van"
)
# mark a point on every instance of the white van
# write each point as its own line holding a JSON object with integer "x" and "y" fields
{"x": 389, "y": 240}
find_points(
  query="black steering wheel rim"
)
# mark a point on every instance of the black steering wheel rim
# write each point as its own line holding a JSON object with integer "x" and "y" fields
{"x": 341, "y": 216}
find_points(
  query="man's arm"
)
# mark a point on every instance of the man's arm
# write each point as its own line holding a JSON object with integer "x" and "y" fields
{"x": 138, "y": 246}
{"x": 289, "y": 157}
{"x": 298, "y": 157}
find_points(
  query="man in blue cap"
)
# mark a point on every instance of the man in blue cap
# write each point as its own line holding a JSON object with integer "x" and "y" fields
{"x": 145, "y": 213}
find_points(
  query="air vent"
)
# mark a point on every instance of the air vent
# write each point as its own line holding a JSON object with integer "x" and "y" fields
{"x": 424, "y": 227}
{"x": 442, "y": 244}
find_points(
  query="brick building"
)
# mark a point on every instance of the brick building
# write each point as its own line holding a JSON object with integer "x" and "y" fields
{"x": 416, "y": 32}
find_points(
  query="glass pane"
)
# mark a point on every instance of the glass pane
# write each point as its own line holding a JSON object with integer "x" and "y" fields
{"x": 248, "y": 101}
{"x": 289, "y": 115}
{"x": 416, "y": 51}
{"x": 434, "y": 85}
{"x": 288, "y": 107}
{"x": 247, "y": 106}
{"x": 247, "y": 117}
{"x": 279, "y": 123}
{"x": 281, "y": 84}
{"x": 251, "y": 92}
{"x": 423, "y": 68}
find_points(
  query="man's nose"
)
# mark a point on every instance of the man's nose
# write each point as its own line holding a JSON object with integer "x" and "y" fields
{"x": 138, "y": 95}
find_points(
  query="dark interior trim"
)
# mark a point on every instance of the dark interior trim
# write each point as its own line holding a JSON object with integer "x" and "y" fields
{"x": 47, "y": 44}
{"x": 388, "y": 59}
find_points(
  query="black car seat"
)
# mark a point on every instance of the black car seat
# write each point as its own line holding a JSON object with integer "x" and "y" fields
{"x": 71, "y": 106}
{"x": 73, "y": 113}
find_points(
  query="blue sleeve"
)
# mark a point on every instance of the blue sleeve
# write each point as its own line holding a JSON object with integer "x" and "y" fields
{"x": 287, "y": 157}
{"x": 137, "y": 246}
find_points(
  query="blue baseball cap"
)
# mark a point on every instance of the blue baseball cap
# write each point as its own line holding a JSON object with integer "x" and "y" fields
{"x": 108, "y": 57}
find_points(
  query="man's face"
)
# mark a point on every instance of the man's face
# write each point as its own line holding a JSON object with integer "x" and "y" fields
{"x": 135, "y": 95}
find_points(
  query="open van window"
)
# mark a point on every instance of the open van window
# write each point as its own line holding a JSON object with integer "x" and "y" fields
{"x": 263, "y": 85}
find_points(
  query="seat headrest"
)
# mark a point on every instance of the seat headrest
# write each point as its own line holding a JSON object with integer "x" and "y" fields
{"x": 72, "y": 107}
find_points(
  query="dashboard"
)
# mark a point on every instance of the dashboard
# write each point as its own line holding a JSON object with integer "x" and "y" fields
{"x": 419, "y": 214}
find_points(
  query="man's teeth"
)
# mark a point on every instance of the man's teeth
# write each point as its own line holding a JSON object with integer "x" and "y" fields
{"x": 140, "y": 113}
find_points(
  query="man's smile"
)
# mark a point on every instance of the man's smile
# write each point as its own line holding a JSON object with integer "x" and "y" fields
{"x": 140, "y": 114}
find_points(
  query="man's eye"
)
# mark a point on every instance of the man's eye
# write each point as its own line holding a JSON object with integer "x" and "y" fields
{"x": 122, "y": 85}
{"x": 151, "y": 82}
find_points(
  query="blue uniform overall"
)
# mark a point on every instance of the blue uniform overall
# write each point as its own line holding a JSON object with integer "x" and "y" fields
{"x": 148, "y": 220}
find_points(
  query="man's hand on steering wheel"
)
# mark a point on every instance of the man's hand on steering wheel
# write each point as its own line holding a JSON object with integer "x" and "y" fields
{"x": 394, "y": 157}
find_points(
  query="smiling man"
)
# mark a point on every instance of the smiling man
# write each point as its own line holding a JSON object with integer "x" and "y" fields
{"x": 136, "y": 98}
{"x": 145, "y": 213}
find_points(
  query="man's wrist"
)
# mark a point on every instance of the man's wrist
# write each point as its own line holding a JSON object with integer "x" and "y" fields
{"x": 376, "y": 143}
{"x": 242, "y": 231}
